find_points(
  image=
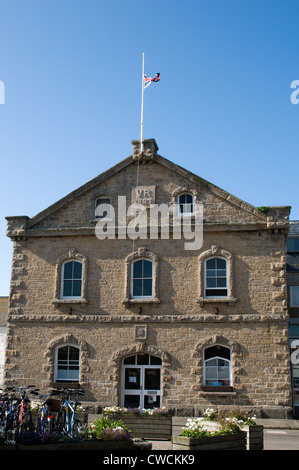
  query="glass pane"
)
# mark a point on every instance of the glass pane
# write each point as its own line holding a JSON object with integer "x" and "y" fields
{"x": 76, "y": 288}
{"x": 214, "y": 351}
{"x": 132, "y": 378}
{"x": 221, "y": 272}
{"x": 100, "y": 212}
{"x": 147, "y": 268}
{"x": 130, "y": 360}
{"x": 221, "y": 282}
{"x": 73, "y": 373}
{"x": 103, "y": 201}
{"x": 211, "y": 272}
{"x": 216, "y": 293}
{"x": 61, "y": 374}
{"x": 211, "y": 282}
{"x": 147, "y": 287}
{"x": 211, "y": 263}
{"x": 68, "y": 270}
{"x": 142, "y": 359}
{"x": 151, "y": 401}
{"x": 137, "y": 288}
{"x": 221, "y": 263}
{"x": 63, "y": 353}
{"x": 152, "y": 379}
{"x": 292, "y": 244}
{"x": 211, "y": 372}
{"x": 211, "y": 362}
{"x": 73, "y": 353}
{"x": 67, "y": 288}
{"x": 77, "y": 270}
{"x": 223, "y": 372}
{"x": 137, "y": 269}
{"x": 132, "y": 401}
{"x": 156, "y": 361}
{"x": 188, "y": 198}
{"x": 294, "y": 296}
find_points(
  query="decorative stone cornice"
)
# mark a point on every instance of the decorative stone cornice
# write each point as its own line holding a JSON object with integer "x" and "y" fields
{"x": 192, "y": 319}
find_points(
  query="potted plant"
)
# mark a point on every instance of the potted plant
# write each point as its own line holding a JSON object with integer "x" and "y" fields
{"x": 255, "y": 432}
{"x": 154, "y": 423}
{"x": 195, "y": 436}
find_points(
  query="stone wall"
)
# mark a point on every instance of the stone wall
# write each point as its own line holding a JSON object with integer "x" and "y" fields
{"x": 179, "y": 322}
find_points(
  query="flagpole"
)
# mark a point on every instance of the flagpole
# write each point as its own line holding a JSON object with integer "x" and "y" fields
{"x": 142, "y": 106}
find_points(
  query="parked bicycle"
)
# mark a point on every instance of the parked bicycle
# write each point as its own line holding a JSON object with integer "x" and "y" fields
{"x": 16, "y": 414}
{"x": 67, "y": 420}
{"x": 45, "y": 419}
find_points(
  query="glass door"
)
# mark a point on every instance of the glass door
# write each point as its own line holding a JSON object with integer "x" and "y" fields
{"x": 141, "y": 385}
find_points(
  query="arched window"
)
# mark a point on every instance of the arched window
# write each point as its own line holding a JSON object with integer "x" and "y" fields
{"x": 142, "y": 278}
{"x": 216, "y": 277}
{"x": 217, "y": 366}
{"x": 71, "y": 280}
{"x": 67, "y": 364}
{"x": 186, "y": 204}
{"x": 101, "y": 207}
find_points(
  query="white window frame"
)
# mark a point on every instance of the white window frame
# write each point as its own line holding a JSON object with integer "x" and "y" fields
{"x": 107, "y": 202}
{"x": 291, "y": 290}
{"x": 185, "y": 204}
{"x": 132, "y": 279}
{"x": 59, "y": 379}
{"x": 206, "y": 278}
{"x": 62, "y": 280}
{"x": 221, "y": 358}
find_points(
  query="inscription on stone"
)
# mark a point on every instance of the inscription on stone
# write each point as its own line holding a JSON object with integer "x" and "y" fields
{"x": 144, "y": 195}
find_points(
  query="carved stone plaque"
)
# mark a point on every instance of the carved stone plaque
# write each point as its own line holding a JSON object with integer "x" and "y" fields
{"x": 144, "y": 195}
{"x": 140, "y": 331}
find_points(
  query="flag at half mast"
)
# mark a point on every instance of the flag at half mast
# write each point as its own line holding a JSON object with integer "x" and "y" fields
{"x": 149, "y": 80}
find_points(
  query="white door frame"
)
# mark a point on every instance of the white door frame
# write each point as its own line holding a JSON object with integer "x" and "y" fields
{"x": 142, "y": 392}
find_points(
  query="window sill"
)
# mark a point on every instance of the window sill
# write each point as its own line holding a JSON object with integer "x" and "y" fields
{"x": 69, "y": 384}
{"x": 213, "y": 300}
{"x": 148, "y": 301}
{"x": 58, "y": 302}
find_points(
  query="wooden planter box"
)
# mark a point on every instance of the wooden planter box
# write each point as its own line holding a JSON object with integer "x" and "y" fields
{"x": 255, "y": 437}
{"x": 255, "y": 434}
{"x": 225, "y": 442}
{"x": 146, "y": 426}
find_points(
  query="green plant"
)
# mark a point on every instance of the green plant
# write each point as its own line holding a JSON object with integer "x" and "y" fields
{"x": 263, "y": 209}
{"x": 195, "y": 428}
{"x": 231, "y": 425}
{"x": 106, "y": 429}
{"x": 210, "y": 414}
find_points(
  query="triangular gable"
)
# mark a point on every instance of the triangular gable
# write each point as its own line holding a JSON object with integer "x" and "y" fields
{"x": 178, "y": 170}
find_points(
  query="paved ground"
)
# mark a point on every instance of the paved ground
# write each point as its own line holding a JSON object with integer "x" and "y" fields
{"x": 279, "y": 434}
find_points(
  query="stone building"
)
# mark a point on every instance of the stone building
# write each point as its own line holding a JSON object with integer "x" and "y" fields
{"x": 3, "y": 315}
{"x": 292, "y": 269}
{"x": 144, "y": 317}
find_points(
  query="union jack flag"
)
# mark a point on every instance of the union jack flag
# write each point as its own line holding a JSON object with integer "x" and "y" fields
{"x": 149, "y": 80}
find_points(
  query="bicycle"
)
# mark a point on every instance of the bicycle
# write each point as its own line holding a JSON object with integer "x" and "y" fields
{"x": 45, "y": 419}
{"x": 18, "y": 419}
{"x": 67, "y": 420}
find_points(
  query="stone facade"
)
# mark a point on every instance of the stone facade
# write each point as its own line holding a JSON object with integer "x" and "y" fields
{"x": 178, "y": 322}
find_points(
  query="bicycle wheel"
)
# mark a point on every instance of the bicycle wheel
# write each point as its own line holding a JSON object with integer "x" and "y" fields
{"x": 60, "y": 422}
{"x": 77, "y": 427}
{"x": 26, "y": 424}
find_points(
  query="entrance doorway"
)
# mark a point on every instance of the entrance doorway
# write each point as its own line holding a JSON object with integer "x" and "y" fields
{"x": 141, "y": 381}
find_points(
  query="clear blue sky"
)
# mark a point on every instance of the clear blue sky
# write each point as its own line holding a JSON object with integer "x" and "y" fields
{"x": 72, "y": 75}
